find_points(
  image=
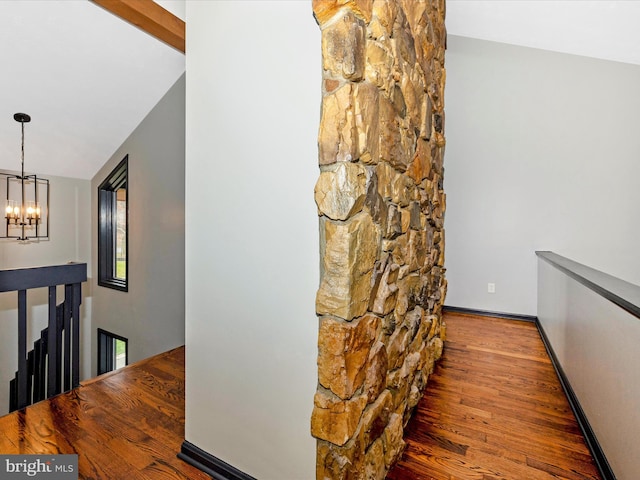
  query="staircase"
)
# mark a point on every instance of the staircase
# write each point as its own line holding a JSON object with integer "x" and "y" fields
{"x": 53, "y": 365}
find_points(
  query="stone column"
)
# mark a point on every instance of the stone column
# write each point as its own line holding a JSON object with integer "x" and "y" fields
{"x": 381, "y": 207}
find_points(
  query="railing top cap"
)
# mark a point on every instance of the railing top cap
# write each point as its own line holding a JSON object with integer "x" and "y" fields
{"x": 37, "y": 277}
{"x": 616, "y": 290}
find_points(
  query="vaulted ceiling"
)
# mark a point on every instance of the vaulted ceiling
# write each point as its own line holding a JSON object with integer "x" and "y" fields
{"x": 87, "y": 78}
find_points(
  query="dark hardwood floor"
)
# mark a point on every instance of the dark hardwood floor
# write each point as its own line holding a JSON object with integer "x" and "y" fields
{"x": 494, "y": 409}
{"x": 128, "y": 424}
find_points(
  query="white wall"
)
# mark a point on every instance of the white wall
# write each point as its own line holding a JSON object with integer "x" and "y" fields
{"x": 151, "y": 314}
{"x": 253, "y": 108}
{"x": 542, "y": 154}
{"x": 70, "y": 237}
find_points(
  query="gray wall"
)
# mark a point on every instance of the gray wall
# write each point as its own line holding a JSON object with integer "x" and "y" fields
{"x": 596, "y": 343}
{"x": 542, "y": 154}
{"x": 151, "y": 314}
{"x": 70, "y": 225}
{"x": 253, "y": 110}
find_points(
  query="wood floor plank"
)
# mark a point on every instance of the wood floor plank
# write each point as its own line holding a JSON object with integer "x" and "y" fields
{"x": 494, "y": 409}
{"x": 128, "y": 424}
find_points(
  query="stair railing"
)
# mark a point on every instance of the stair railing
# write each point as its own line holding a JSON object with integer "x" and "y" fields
{"x": 53, "y": 365}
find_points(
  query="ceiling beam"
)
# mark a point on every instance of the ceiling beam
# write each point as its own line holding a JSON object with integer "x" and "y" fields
{"x": 150, "y": 17}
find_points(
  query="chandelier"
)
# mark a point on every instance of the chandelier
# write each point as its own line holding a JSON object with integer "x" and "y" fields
{"x": 27, "y": 200}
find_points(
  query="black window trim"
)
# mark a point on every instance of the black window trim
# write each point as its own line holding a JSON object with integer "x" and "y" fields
{"x": 106, "y": 225}
{"x": 106, "y": 360}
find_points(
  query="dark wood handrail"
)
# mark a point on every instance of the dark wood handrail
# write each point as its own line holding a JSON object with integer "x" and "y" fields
{"x": 53, "y": 365}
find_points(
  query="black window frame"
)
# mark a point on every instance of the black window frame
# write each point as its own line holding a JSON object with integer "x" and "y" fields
{"x": 106, "y": 348}
{"x": 107, "y": 227}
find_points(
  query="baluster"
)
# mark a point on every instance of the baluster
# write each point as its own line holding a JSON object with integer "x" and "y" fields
{"x": 67, "y": 336}
{"x": 13, "y": 395}
{"x": 22, "y": 350}
{"x": 30, "y": 370}
{"x": 38, "y": 393}
{"x": 44, "y": 347}
{"x": 76, "y": 298}
{"x": 53, "y": 383}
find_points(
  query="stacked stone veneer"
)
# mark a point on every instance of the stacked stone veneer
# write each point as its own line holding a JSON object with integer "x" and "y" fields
{"x": 381, "y": 207}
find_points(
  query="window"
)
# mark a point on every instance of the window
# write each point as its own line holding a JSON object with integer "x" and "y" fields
{"x": 113, "y": 224}
{"x": 113, "y": 351}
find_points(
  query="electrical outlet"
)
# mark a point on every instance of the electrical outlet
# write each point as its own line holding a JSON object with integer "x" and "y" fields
{"x": 491, "y": 288}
